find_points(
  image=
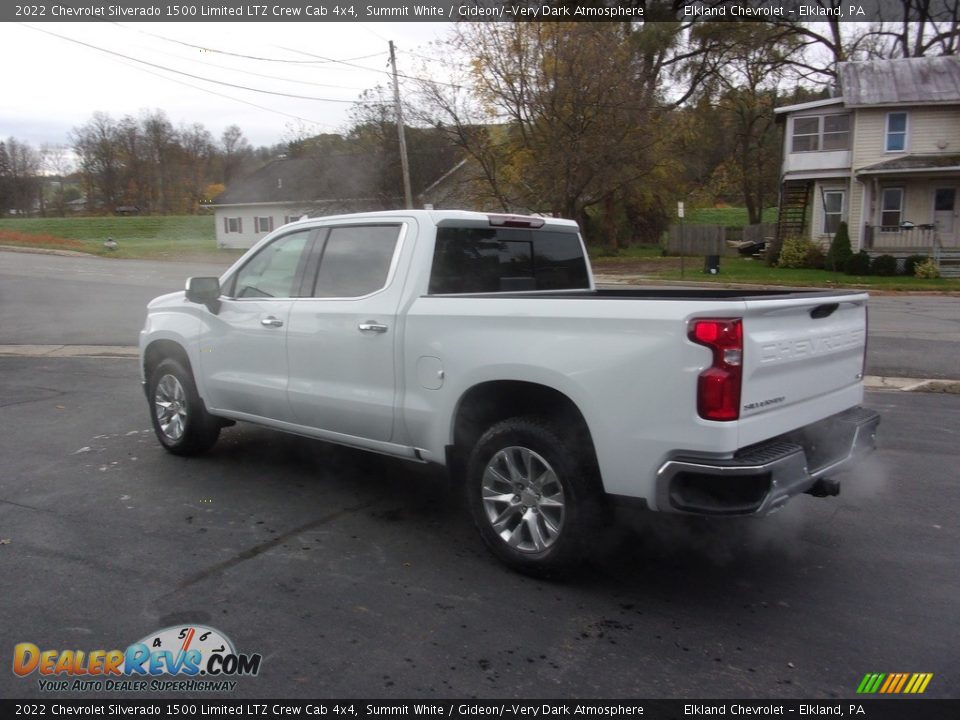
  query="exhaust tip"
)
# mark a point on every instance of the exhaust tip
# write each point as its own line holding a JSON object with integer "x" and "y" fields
{"x": 824, "y": 487}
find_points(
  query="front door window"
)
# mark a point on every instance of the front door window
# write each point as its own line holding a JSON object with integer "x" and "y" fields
{"x": 945, "y": 211}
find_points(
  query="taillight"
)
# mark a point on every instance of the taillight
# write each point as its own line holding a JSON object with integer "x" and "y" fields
{"x": 718, "y": 387}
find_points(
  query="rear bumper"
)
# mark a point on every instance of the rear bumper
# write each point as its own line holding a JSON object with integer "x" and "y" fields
{"x": 761, "y": 478}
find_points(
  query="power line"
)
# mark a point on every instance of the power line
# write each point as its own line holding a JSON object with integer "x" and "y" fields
{"x": 362, "y": 67}
{"x": 250, "y": 57}
{"x": 198, "y": 77}
{"x": 263, "y": 75}
{"x": 230, "y": 97}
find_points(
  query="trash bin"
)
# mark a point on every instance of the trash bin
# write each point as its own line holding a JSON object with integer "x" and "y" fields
{"x": 711, "y": 264}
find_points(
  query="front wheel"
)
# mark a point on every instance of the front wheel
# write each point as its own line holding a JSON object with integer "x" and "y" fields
{"x": 180, "y": 419}
{"x": 534, "y": 497}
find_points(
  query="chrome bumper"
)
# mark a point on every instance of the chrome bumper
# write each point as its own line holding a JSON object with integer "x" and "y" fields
{"x": 761, "y": 478}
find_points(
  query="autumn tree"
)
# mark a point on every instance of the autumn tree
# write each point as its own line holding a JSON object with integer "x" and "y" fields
{"x": 755, "y": 67}
{"x": 557, "y": 122}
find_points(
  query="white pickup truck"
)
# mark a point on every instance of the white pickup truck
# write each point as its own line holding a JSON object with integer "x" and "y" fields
{"x": 480, "y": 342}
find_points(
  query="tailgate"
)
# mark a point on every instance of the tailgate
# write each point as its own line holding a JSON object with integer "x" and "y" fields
{"x": 800, "y": 348}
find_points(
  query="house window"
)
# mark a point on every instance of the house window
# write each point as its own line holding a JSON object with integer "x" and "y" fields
{"x": 263, "y": 224}
{"x": 896, "y": 132}
{"x": 891, "y": 209}
{"x": 822, "y": 132}
{"x": 287, "y": 219}
{"x": 832, "y": 210}
{"x": 233, "y": 225}
{"x": 806, "y": 134}
{"x": 836, "y": 132}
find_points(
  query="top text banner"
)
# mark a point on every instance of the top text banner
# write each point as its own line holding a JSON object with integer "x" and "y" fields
{"x": 477, "y": 10}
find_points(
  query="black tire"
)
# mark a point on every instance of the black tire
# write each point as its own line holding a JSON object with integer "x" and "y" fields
{"x": 183, "y": 427}
{"x": 527, "y": 530}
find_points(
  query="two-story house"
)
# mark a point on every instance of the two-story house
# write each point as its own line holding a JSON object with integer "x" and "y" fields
{"x": 884, "y": 156}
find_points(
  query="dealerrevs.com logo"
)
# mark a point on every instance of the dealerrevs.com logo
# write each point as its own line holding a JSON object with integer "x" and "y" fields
{"x": 199, "y": 658}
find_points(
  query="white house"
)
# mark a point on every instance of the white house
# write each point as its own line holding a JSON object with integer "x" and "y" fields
{"x": 884, "y": 156}
{"x": 288, "y": 189}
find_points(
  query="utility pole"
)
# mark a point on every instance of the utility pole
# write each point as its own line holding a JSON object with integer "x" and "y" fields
{"x": 404, "y": 163}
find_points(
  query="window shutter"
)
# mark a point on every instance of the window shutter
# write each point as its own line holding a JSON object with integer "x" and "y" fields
{"x": 226, "y": 225}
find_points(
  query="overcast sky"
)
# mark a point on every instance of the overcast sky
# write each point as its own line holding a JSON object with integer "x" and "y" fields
{"x": 56, "y": 75}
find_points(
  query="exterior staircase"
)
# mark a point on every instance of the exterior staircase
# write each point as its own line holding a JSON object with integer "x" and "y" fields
{"x": 792, "y": 216}
{"x": 949, "y": 261}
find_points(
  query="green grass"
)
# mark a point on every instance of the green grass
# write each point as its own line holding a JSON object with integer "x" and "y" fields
{"x": 728, "y": 216}
{"x": 157, "y": 237}
{"x": 747, "y": 270}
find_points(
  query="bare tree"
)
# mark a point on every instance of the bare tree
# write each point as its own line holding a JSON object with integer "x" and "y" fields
{"x": 235, "y": 152}
{"x": 57, "y": 163}
{"x": 98, "y": 150}
{"x": 23, "y": 181}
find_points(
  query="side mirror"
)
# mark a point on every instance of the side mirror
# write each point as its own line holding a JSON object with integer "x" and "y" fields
{"x": 204, "y": 291}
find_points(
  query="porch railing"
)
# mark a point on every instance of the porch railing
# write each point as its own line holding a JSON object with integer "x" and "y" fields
{"x": 921, "y": 237}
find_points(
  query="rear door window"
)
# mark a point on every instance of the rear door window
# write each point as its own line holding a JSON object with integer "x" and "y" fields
{"x": 487, "y": 260}
{"x": 355, "y": 260}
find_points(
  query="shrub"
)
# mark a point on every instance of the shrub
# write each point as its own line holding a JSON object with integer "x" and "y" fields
{"x": 927, "y": 270}
{"x": 910, "y": 264}
{"x": 884, "y": 265}
{"x": 840, "y": 250}
{"x": 816, "y": 259}
{"x": 858, "y": 264}
{"x": 795, "y": 252}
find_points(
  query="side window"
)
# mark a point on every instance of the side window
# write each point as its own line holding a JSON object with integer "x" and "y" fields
{"x": 355, "y": 260}
{"x": 273, "y": 271}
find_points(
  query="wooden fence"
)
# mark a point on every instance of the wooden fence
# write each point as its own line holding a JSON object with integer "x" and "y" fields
{"x": 712, "y": 239}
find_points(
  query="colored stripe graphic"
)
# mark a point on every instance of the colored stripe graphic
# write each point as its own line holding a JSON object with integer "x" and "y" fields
{"x": 894, "y": 683}
{"x": 871, "y": 683}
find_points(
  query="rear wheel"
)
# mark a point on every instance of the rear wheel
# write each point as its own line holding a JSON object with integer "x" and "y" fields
{"x": 180, "y": 419}
{"x": 534, "y": 497}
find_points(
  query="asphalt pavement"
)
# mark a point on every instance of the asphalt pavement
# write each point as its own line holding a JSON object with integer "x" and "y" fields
{"x": 356, "y": 575}
{"x": 360, "y": 576}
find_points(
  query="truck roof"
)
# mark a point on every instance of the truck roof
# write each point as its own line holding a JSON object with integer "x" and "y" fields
{"x": 472, "y": 217}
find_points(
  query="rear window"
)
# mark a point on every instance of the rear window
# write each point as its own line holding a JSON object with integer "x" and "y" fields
{"x": 485, "y": 260}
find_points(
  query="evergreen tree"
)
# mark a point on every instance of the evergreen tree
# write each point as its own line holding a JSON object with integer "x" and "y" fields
{"x": 840, "y": 250}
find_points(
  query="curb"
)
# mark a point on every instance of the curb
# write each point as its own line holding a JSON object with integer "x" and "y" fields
{"x": 45, "y": 251}
{"x": 898, "y": 384}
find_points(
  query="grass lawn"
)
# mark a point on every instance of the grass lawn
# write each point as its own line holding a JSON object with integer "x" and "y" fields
{"x": 182, "y": 237}
{"x": 727, "y": 216}
{"x": 748, "y": 270}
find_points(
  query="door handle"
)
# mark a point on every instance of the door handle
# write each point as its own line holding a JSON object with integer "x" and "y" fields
{"x": 372, "y": 327}
{"x": 271, "y": 321}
